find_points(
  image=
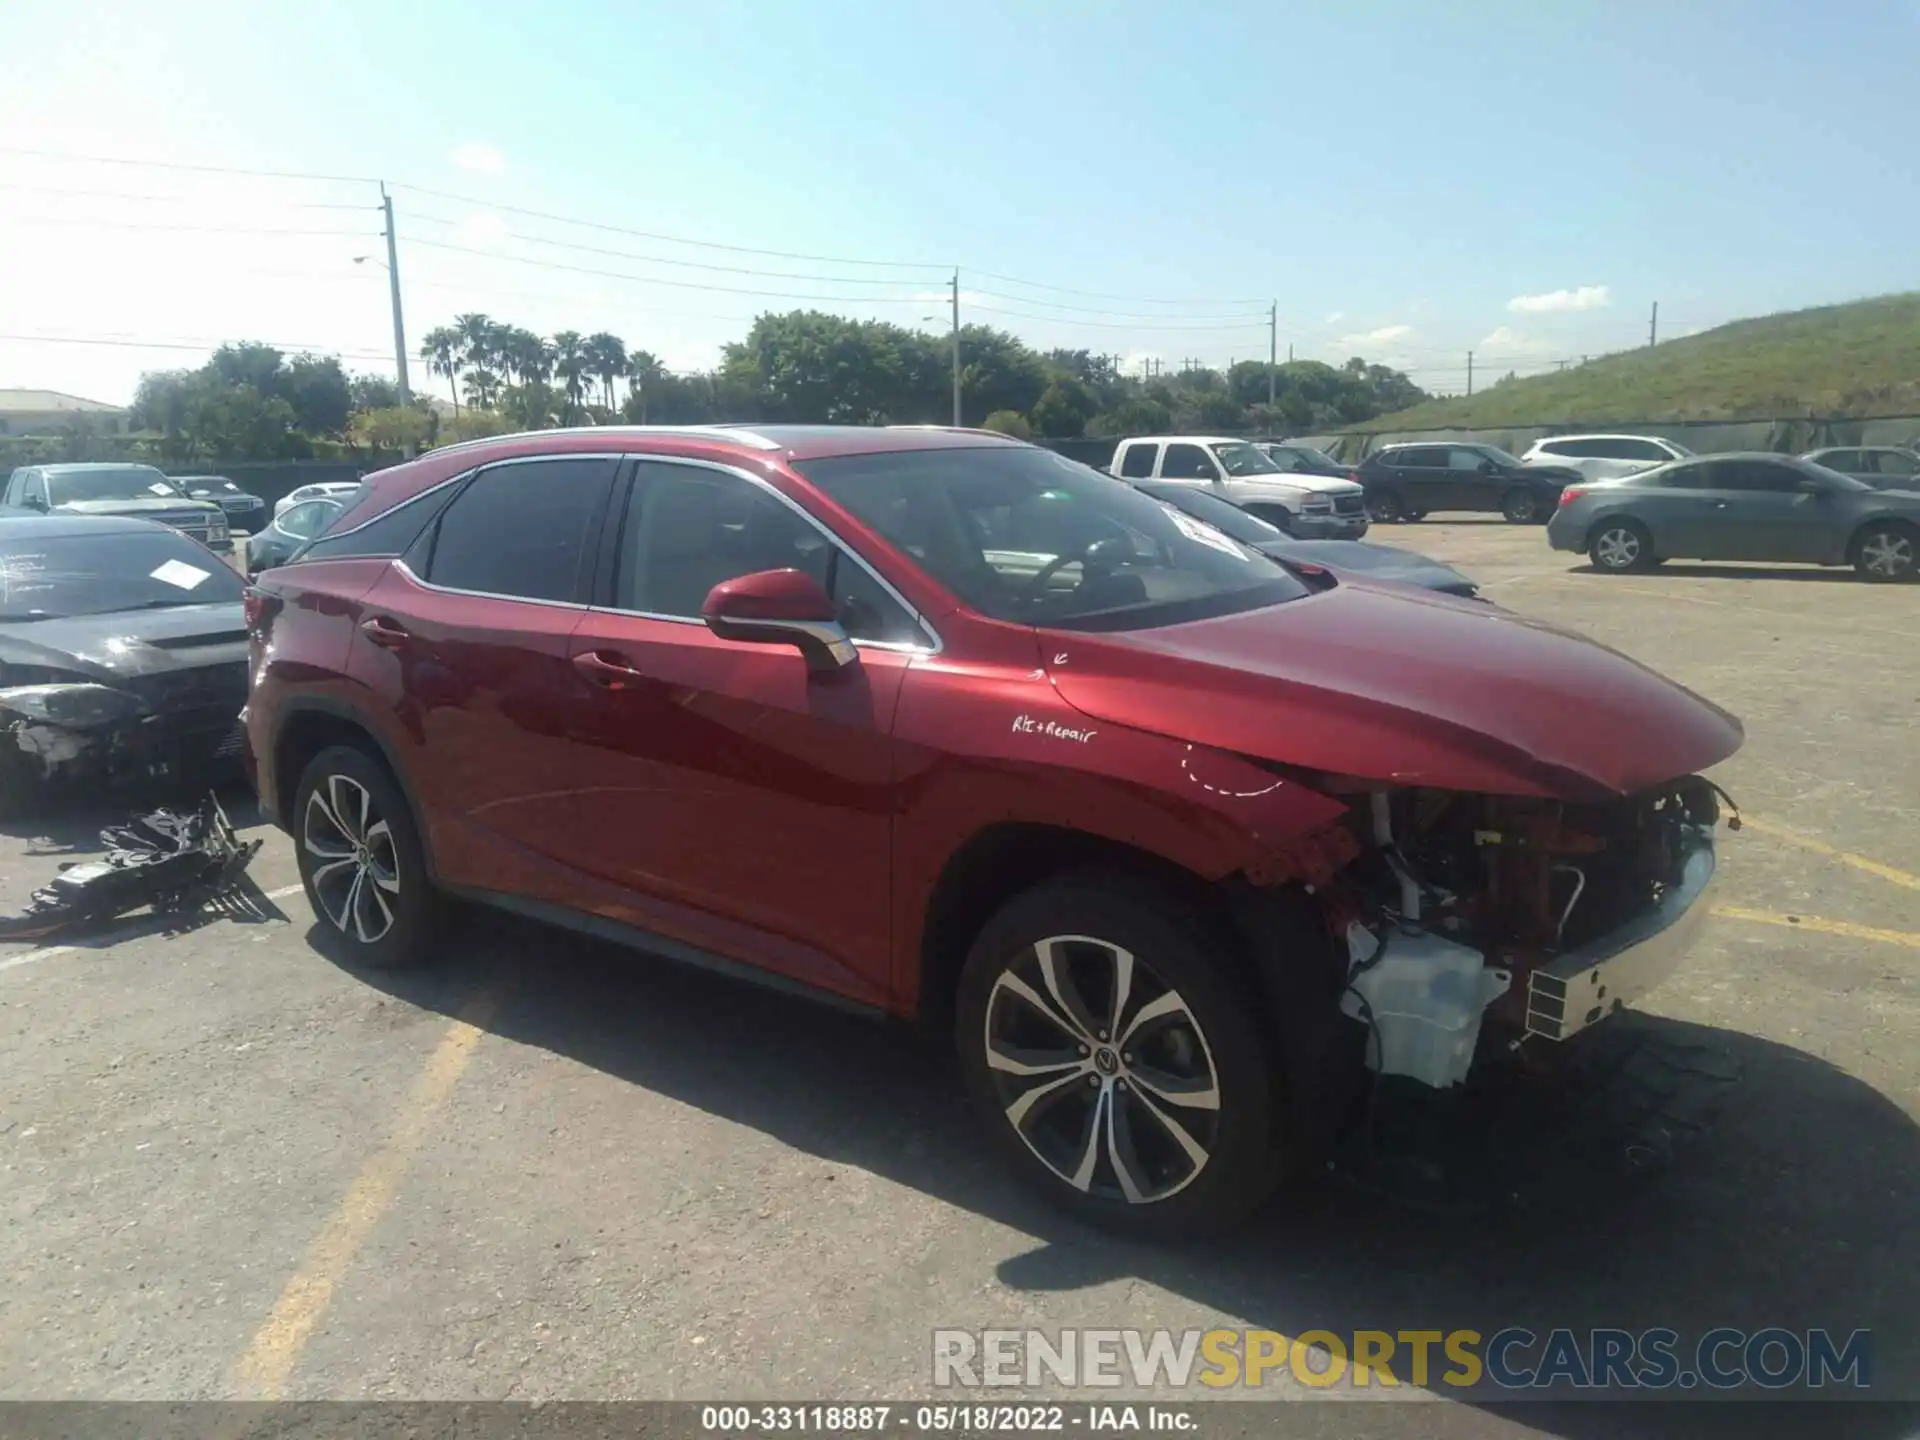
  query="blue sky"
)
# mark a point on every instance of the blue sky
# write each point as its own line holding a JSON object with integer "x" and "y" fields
{"x": 1406, "y": 181}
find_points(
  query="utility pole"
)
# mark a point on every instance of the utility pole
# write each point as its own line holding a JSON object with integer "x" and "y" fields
{"x": 393, "y": 287}
{"x": 1469, "y": 372}
{"x": 956, "y": 346}
{"x": 1289, "y": 352}
{"x": 1653, "y": 327}
{"x": 1273, "y": 352}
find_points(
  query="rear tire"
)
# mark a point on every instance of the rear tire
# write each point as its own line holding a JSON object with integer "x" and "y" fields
{"x": 1386, "y": 508}
{"x": 1618, "y": 547}
{"x": 1521, "y": 506}
{"x": 1887, "y": 552}
{"x": 361, "y": 862}
{"x": 1108, "y": 1044}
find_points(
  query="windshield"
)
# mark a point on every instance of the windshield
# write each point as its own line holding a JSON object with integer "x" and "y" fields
{"x": 47, "y": 577}
{"x": 1311, "y": 455}
{"x": 1241, "y": 458}
{"x": 197, "y": 485}
{"x": 1026, "y": 535}
{"x": 1223, "y": 515}
{"x": 132, "y": 482}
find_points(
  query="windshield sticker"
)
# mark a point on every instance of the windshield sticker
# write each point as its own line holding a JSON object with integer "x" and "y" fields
{"x": 160, "y": 487}
{"x": 1027, "y": 725}
{"x": 1202, "y": 532}
{"x": 178, "y": 572}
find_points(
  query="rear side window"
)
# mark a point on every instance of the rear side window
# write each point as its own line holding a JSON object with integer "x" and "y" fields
{"x": 1187, "y": 462}
{"x": 1572, "y": 448}
{"x": 1421, "y": 457}
{"x": 1137, "y": 462}
{"x": 522, "y": 529}
{"x": 308, "y": 518}
{"x": 390, "y": 534}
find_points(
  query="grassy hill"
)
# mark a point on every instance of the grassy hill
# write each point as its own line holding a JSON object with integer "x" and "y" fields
{"x": 1855, "y": 360}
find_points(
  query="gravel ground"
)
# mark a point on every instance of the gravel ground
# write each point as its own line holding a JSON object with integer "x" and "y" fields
{"x": 231, "y": 1169}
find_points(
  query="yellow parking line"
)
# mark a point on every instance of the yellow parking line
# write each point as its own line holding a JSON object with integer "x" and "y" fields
{"x": 262, "y": 1372}
{"x": 1823, "y": 927}
{"x": 1820, "y": 847}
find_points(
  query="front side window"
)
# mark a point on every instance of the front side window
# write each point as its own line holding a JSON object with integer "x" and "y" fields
{"x": 1238, "y": 457}
{"x": 522, "y": 529}
{"x": 1458, "y": 459}
{"x": 1572, "y": 449}
{"x": 1137, "y": 463}
{"x": 689, "y": 529}
{"x": 42, "y": 579}
{"x": 1840, "y": 460}
{"x": 1028, "y": 536}
{"x": 1187, "y": 462}
{"x": 1896, "y": 462}
{"x": 1648, "y": 450}
{"x": 1686, "y": 477}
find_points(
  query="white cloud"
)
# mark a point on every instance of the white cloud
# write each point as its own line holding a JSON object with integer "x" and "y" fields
{"x": 1509, "y": 341}
{"x": 481, "y": 232}
{"x": 1553, "y": 302}
{"x": 1132, "y": 362}
{"x": 1385, "y": 335}
{"x": 1336, "y": 316}
{"x": 483, "y": 159}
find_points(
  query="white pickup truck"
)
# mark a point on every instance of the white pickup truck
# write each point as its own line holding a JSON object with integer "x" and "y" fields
{"x": 1313, "y": 507}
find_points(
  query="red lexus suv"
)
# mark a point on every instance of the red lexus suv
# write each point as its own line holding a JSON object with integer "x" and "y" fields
{"x": 1184, "y": 846}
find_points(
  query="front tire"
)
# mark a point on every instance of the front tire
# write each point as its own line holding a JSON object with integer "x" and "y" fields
{"x": 361, "y": 862}
{"x": 1108, "y": 1044}
{"x": 1887, "y": 553}
{"x": 1618, "y": 547}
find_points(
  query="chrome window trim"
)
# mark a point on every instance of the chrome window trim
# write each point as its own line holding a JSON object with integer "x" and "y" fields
{"x": 819, "y": 526}
{"x": 401, "y": 565}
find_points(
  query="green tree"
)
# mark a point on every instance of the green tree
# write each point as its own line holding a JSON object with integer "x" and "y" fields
{"x": 441, "y": 349}
{"x": 1010, "y": 422}
{"x": 645, "y": 375}
{"x": 571, "y": 366}
{"x": 1064, "y": 407}
{"x": 392, "y": 429}
{"x": 1140, "y": 415}
{"x": 372, "y": 392}
{"x": 317, "y": 390}
{"x": 607, "y": 360}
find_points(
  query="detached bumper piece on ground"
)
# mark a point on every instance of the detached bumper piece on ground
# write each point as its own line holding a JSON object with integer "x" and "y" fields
{"x": 169, "y": 862}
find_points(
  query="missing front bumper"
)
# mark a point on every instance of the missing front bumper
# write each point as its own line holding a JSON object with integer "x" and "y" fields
{"x": 1586, "y": 985}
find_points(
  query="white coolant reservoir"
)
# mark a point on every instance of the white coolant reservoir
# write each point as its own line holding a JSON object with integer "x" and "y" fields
{"x": 1426, "y": 996}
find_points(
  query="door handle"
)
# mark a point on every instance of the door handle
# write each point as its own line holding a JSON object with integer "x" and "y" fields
{"x": 1719, "y": 504}
{"x": 597, "y": 669}
{"x": 384, "y": 633}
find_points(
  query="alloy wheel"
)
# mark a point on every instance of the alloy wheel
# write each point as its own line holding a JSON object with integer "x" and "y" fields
{"x": 1102, "y": 1069}
{"x": 1888, "y": 554}
{"x": 1617, "y": 549}
{"x": 356, "y": 877}
{"x": 1521, "y": 507}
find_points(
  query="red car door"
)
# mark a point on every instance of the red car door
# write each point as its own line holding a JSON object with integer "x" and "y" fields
{"x": 469, "y": 661}
{"x": 736, "y": 801}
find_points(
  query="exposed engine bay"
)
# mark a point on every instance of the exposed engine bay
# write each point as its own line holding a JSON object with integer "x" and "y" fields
{"x": 1482, "y": 926}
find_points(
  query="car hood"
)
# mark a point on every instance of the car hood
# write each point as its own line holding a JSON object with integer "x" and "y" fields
{"x": 127, "y": 644}
{"x": 1401, "y": 686}
{"x": 1379, "y": 562}
{"x": 1302, "y": 480}
{"x": 136, "y": 506}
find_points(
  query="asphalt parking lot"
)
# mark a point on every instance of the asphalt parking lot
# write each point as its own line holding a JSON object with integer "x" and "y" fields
{"x": 546, "y": 1169}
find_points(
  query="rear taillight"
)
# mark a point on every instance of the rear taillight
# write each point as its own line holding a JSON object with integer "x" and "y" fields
{"x": 259, "y": 607}
{"x": 1571, "y": 494}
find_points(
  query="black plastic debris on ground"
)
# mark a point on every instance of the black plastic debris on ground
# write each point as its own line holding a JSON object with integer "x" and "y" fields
{"x": 163, "y": 860}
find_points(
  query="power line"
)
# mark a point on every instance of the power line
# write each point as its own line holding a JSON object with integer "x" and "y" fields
{"x": 128, "y": 344}
{"x": 680, "y": 284}
{"x": 170, "y": 199}
{"x": 1097, "y": 294}
{"x": 195, "y": 169}
{"x": 84, "y": 221}
{"x": 656, "y": 235}
{"x": 1095, "y": 310}
{"x": 683, "y": 264}
{"x": 1251, "y": 323}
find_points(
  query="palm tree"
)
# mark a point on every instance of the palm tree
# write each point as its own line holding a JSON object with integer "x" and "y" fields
{"x": 526, "y": 357}
{"x": 479, "y": 343}
{"x": 606, "y": 358}
{"x": 483, "y": 388}
{"x": 644, "y": 372}
{"x": 441, "y": 349}
{"x": 571, "y": 364}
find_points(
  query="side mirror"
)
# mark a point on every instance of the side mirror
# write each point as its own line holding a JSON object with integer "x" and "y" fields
{"x": 1487, "y": 467}
{"x": 781, "y": 607}
{"x": 34, "y": 502}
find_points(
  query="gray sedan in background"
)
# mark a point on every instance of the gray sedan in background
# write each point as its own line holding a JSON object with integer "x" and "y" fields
{"x": 1885, "y": 467}
{"x": 1741, "y": 507}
